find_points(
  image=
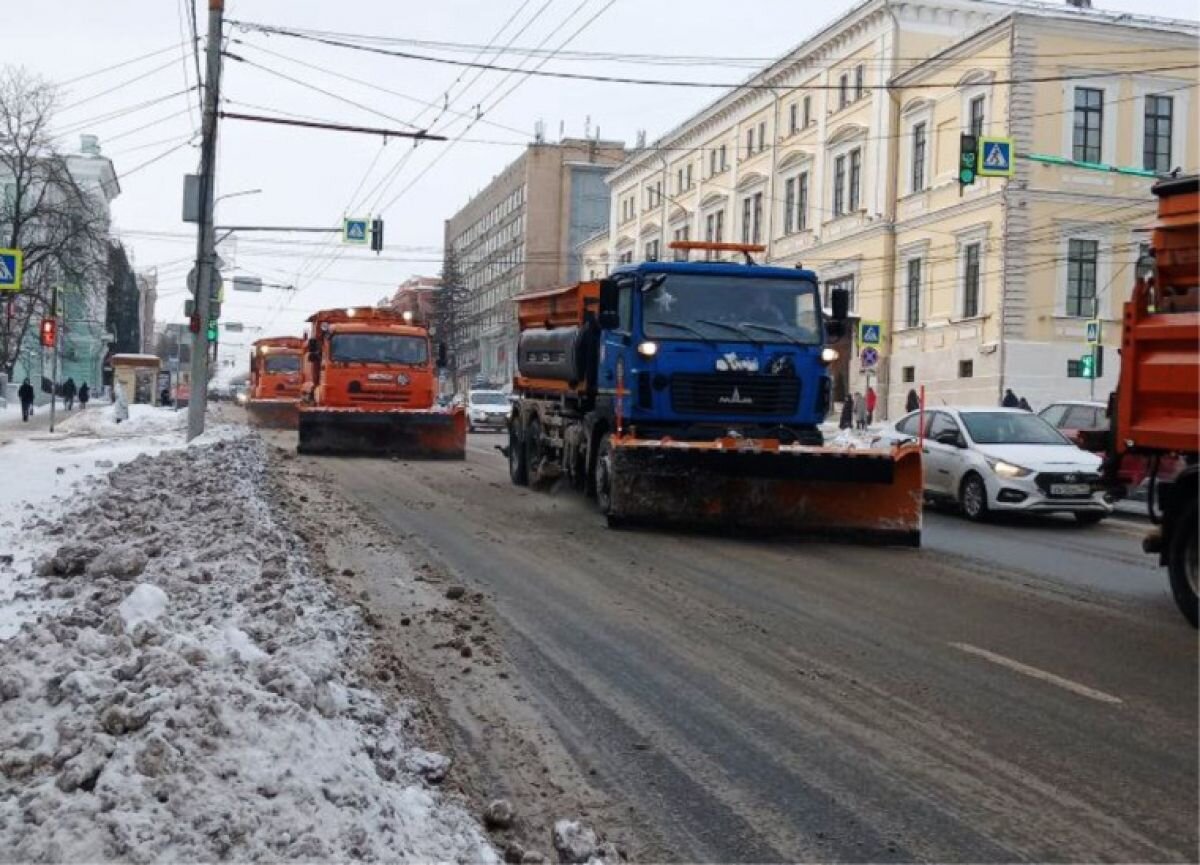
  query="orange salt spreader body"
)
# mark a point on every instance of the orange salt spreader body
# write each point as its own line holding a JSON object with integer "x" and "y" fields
{"x": 370, "y": 379}
{"x": 275, "y": 380}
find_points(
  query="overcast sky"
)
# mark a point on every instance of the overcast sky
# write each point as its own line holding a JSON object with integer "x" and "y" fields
{"x": 310, "y": 177}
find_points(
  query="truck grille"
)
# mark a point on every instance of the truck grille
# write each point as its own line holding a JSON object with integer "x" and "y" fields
{"x": 734, "y": 394}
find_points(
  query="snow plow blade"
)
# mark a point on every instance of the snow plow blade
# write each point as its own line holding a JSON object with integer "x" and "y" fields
{"x": 404, "y": 433}
{"x": 764, "y": 487}
{"x": 272, "y": 413}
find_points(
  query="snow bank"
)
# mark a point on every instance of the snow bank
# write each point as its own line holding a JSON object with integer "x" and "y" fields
{"x": 143, "y": 420}
{"x": 207, "y": 706}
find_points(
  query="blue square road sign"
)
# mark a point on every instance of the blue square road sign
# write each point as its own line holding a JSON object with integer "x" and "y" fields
{"x": 355, "y": 230}
{"x": 995, "y": 157}
{"x": 11, "y": 265}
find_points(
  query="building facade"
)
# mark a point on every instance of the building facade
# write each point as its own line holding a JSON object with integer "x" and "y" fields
{"x": 418, "y": 295}
{"x": 147, "y": 283}
{"x": 842, "y": 157}
{"x": 520, "y": 233}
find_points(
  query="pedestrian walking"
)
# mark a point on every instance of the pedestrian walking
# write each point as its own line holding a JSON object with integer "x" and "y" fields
{"x": 860, "y": 412}
{"x": 68, "y": 393}
{"x": 25, "y": 394}
{"x": 121, "y": 404}
{"x": 84, "y": 396}
{"x": 847, "y": 419}
{"x": 872, "y": 399}
{"x": 1010, "y": 399}
{"x": 1024, "y": 403}
{"x": 913, "y": 402}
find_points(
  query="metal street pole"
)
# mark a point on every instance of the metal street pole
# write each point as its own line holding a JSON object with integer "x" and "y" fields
{"x": 54, "y": 350}
{"x": 206, "y": 241}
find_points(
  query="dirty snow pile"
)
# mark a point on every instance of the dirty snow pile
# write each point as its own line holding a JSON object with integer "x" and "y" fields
{"x": 142, "y": 420}
{"x": 194, "y": 698}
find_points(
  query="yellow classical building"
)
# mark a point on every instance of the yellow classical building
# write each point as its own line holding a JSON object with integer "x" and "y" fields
{"x": 843, "y": 156}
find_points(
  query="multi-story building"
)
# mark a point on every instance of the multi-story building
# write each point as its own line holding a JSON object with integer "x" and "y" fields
{"x": 418, "y": 295}
{"x": 518, "y": 234}
{"x": 147, "y": 282}
{"x": 842, "y": 156}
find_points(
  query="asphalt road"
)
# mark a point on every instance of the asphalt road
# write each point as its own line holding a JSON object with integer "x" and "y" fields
{"x": 1009, "y": 692}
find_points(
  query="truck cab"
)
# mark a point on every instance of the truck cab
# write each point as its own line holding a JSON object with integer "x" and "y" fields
{"x": 275, "y": 368}
{"x": 692, "y": 350}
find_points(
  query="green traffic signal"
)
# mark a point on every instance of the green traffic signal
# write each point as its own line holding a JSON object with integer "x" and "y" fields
{"x": 211, "y": 333}
{"x": 1087, "y": 366}
{"x": 968, "y": 158}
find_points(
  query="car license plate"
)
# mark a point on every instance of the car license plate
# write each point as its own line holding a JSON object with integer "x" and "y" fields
{"x": 1070, "y": 489}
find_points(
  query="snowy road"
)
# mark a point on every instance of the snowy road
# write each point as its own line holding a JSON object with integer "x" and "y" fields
{"x": 1011, "y": 692}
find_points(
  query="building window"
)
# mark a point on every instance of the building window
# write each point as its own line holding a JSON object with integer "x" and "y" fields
{"x": 681, "y": 235}
{"x": 714, "y": 229}
{"x": 976, "y": 112}
{"x": 750, "y": 142}
{"x": 752, "y": 218}
{"x": 908, "y": 374}
{"x": 970, "y": 307}
{"x": 746, "y": 205}
{"x": 793, "y": 119}
{"x": 966, "y": 369}
{"x": 789, "y": 205}
{"x": 625, "y": 257}
{"x": 679, "y": 187}
{"x": 912, "y": 316}
{"x": 802, "y": 201}
{"x": 724, "y": 157}
{"x": 762, "y": 135}
{"x": 855, "y": 178}
{"x": 918, "y": 157}
{"x": 756, "y": 235}
{"x": 843, "y": 91}
{"x": 652, "y": 251}
{"x": 1089, "y": 124}
{"x": 839, "y": 186}
{"x": 1156, "y": 146}
{"x": 858, "y": 82}
{"x": 807, "y": 112}
{"x": 1081, "y": 277}
{"x": 712, "y": 162}
{"x": 846, "y": 282}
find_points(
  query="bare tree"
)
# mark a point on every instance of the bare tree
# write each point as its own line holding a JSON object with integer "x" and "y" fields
{"x": 448, "y": 311}
{"x": 60, "y": 226}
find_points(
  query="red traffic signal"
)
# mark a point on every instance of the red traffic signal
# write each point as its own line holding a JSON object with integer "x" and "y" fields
{"x": 49, "y": 332}
{"x": 194, "y": 323}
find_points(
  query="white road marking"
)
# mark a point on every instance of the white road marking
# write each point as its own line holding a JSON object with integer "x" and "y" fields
{"x": 1034, "y": 672}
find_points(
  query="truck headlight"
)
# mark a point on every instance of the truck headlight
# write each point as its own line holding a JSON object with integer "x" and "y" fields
{"x": 1008, "y": 470}
{"x": 647, "y": 348}
{"x": 829, "y": 355}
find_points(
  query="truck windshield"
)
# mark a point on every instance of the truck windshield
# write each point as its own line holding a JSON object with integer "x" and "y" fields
{"x": 379, "y": 348}
{"x": 282, "y": 363}
{"x": 731, "y": 308}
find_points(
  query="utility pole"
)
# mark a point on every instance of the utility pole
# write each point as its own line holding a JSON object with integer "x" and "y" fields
{"x": 54, "y": 352}
{"x": 206, "y": 239}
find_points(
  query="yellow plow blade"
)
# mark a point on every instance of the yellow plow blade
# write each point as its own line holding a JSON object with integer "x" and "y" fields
{"x": 273, "y": 413}
{"x": 865, "y": 495}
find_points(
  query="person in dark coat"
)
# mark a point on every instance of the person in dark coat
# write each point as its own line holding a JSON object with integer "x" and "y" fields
{"x": 847, "y": 418}
{"x": 68, "y": 393}
{"x": 1024, "y": 403}
{"x": 84, "y": 395}
{"x": 913, "y": 402}
{"x": 1010, "y": 399}
{"x": 25, "y": 394}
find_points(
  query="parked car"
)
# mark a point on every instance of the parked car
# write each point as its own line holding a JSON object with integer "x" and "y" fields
{"x": 487, "y": 409}
{"x": 991, "y": 460}
{"x": 1085, "y": 422}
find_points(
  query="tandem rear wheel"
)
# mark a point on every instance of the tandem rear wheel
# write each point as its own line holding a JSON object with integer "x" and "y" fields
{"x": 518, "y": 466}
{"x": 1182, "y": 562}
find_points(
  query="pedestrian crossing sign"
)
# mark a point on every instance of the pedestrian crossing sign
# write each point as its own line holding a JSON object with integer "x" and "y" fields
{"x": 870, "y": 333}
{"x": 995, "y": 157}
{"x": 355, "y": 231}
{"x": 1093, "y": 332}
{"x": 11, "y": 264}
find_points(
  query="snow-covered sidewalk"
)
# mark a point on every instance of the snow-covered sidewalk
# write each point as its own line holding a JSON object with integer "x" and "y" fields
{"x": 190, "y": 693}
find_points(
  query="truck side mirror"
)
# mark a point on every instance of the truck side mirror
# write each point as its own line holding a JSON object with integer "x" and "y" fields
{"x": 314, "y": 350}
{"x": 609, "y": 316}
{"x": 441, "y": 355}
{"x": 839, "y": 300}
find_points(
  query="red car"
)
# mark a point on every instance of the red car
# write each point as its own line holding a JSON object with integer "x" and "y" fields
{"x": 1077, "y": 418}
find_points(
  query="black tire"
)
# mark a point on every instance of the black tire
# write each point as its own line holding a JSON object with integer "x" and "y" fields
{"x": 1182, "y": 564}
{"x": 973, "y": 499}
{"x": 601, "y": 477}
{"x": 518, "y": 468}
{"x": 1088, "y": 518}
{"x": 533, "y": 449}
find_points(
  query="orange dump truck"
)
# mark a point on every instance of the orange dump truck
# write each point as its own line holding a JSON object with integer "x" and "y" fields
{"x": 370, "y": 387}
{"x": 275, "y": 381}
{"x": 1157, "y": 406}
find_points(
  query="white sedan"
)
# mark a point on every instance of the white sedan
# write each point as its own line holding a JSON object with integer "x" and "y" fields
{"x": 991, "y": 460}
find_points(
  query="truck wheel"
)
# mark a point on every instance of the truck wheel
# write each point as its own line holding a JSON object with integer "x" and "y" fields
{"x": 518, "y": 468}
{"x": 603, "y": 475}
{"x": 1181, "y": 562}
{"x": 533, "y": 450}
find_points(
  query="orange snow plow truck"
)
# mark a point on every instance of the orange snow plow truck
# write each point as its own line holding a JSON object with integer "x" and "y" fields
{"x": 275, "y": 381}
{"x": 370, "y": 387}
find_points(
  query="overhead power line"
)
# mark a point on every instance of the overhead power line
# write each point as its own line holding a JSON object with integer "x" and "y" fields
{"x": 661, "y": 82}
{"x": 332, "y": 127}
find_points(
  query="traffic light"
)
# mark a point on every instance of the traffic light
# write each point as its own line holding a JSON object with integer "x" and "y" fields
{"x": 377, "y": 235}
{"x": 211, "y": 333}
{"x": 194, "y": 322}
{"x": 968, "y": 158}
{"x": 49, "y": 332}
{"x": 1098, "y": 366}
{"x": 1087, "y": 366}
